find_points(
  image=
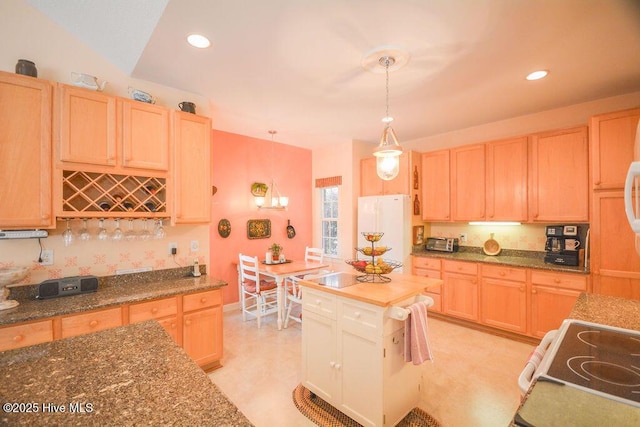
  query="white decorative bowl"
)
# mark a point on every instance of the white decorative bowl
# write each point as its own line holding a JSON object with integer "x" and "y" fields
{"x": 10, "y": 275}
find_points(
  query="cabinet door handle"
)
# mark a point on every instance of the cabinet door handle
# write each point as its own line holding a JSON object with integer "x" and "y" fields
{"x": 556, "y": 280}
{"x": 533, "y": 291}
{"x": 356, "y": 314}
{"x": 154, "y": 310}
{"x": 18, "y": 338}
{"x": 502, "y": 273}
{"x": 203, "y": 300}
{"x": 338, "y": 366}
{"x": 332, "y": 364}
{"x": 318, "y": 302}
{"x": 187, "y": 322}
{"x": 93, "y": 323}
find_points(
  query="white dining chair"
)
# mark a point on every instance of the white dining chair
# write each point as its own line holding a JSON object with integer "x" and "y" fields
{"x": 258, "y": 297}
{"x": 293, "y": 291}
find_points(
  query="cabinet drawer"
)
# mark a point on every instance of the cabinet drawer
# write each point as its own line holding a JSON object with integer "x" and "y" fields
{"x": 91, "y": 322}
{"x": 153, "y": 309}
{"x": 431, "y": 274}
{"x": 560, "y": 280}
{"x": 506, "y": 273}
{"x": 460, "y": 267}
{"x": 25, "y": 334}
{"x": 427, "y": 263}
{"x": 201, "y": 300}
{"x": 359, "y": 319}
{"x": 319, "y": 302}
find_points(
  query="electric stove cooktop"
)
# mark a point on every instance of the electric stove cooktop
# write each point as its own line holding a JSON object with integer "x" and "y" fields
{"x": 599, "y": 359}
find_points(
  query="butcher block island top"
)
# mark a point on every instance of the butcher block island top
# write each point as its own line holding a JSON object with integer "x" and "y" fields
{"x": 130, "y": 375}
{"x": 346, "y": 284}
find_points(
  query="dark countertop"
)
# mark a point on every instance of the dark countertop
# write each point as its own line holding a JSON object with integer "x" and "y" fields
{"x": 112, "y": 291}
{"x": 508, "y": 257}
{"x": 130, "y": 375}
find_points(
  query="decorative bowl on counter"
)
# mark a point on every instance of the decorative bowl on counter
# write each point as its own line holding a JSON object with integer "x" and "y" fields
{"x": 9, "y": 275}
{"x": 371, "y": 236}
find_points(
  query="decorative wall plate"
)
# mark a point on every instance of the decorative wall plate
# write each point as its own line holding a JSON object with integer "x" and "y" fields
{"x": 259, "y": 189}
{"x": 224, "y": 228}
{"x": 259, "y": 228}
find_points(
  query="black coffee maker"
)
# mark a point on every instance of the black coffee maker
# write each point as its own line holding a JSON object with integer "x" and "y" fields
{"x": 563, "y": 245}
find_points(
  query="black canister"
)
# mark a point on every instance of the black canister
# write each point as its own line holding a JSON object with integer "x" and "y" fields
{"x": 26, "y": 67}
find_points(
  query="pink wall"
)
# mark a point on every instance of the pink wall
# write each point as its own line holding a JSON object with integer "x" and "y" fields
{"x": 237, "y": 162}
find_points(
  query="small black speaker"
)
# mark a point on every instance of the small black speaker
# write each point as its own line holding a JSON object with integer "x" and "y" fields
{"x": 89, "y": 284}
{"x": 48, "y": 289}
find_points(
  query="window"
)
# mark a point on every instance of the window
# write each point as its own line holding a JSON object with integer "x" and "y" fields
{"x": 329, "y": 219}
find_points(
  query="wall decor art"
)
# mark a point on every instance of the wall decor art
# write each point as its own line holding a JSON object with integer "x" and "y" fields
{"x": 259, "y": 228}
{"x": 224, "y": 228}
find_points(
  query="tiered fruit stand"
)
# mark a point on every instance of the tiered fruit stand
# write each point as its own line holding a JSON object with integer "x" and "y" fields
{"x": 375, "y": 268}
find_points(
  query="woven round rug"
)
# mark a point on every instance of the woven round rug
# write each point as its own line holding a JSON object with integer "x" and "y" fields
{"x": 325, "y": 415}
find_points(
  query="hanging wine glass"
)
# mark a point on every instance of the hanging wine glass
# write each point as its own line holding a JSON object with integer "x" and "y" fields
{"x": 130, "y": 234}
{"x": 117, "y": 234}
{"x": 84, "y": 231}
{"x": 145, "y": 234}
{"x": 102, "y": 232}
{"x": 67, "y": 235}
{"x": 159, "y": 233}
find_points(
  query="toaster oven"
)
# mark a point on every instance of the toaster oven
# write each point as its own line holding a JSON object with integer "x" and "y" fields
{"x": 442, "y": 244}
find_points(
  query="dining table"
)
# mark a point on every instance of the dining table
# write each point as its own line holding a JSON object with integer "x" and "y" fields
{"x": 281, "y": 271}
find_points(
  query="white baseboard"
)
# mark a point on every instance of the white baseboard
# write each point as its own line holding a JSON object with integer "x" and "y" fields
{"x": 234, "y": 306}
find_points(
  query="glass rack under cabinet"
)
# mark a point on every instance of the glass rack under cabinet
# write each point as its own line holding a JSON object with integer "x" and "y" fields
{"x": 93, "y": 194}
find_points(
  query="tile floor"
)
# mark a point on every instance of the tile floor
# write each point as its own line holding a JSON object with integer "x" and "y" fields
{"x": 471, "y": 382}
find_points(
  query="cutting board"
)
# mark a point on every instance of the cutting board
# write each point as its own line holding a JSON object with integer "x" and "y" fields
{"x": 555, "y": 404}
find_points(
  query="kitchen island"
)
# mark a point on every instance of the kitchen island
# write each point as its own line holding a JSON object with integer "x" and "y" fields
{"x": 130, "y": 375}
{"x": 353, "y": 345}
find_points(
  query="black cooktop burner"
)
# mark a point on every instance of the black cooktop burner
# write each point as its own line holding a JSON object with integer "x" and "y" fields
{"x": 599, "y": 359}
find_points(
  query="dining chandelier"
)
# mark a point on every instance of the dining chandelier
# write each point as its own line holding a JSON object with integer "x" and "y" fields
{"x": 388, "y": 152}
{"x": 272, "y": 199}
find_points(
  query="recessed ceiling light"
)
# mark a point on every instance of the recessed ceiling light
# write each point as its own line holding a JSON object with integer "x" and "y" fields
{"x": 199, "y": 41}
{"x": 537, "y": 75}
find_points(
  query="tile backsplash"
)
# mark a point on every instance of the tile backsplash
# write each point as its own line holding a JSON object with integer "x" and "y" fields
{"x": 527, "y": 237}
{"x": 104, "y": 258}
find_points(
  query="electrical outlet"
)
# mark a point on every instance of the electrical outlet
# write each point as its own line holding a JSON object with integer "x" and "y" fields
{"x": 463, "y": 237}
{"x": 195, "y": 246}
{"x": 46, "y": 257}
{"x": 173, "y": 248}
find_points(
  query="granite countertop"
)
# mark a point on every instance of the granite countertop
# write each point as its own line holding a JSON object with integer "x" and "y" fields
{"x": 509, "y": 257}
{"x": 112, "y": 291}
{"x": 130, "y": 375}
{"x": 607, "y": 310}
{"x": 345, "y": 284}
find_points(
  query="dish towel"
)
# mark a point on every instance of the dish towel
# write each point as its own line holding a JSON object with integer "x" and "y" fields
{"x": 416, "y": 341}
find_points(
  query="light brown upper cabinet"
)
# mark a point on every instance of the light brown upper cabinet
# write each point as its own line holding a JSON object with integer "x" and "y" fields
{"x": 119, "y": 134}
{"x": 372, "y": 185}
{"x": 506, "y": 196}
{"x": 559, "y": 173}
{"x": 86, "y": 126}
{"x": 468, "y": 183}
{"x": 25, "y": 152}
{"x": 192, "y": 177}
{"x": 612, "y": 136}
{"x": 435, "y": 186}
{"x": 145, "y": 135}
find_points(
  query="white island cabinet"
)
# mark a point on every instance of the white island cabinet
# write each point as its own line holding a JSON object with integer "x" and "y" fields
{"x": 353, "y": 352}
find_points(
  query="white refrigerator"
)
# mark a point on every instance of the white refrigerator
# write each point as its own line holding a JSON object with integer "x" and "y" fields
{"x": 390, "y": 215}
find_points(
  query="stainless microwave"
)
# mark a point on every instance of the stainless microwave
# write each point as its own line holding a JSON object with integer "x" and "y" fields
{"x": 442, "y": 244}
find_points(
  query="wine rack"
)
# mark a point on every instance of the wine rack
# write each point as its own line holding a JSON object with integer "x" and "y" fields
{"x": 95, "y": 194}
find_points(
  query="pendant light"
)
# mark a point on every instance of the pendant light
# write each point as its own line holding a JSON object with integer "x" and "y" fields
{"x": 388, "y": 151}
{"x": 272, "y": 199}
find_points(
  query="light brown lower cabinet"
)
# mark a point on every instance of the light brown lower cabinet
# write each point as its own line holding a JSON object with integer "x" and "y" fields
{"x": 460, "y": 289}
{"x": 194, "y": 321}
{"x": 503, "y": 298}
{"x": 202, "y": 327}
{"x": 519, "y": 300}
{"x": 430, "y": 267}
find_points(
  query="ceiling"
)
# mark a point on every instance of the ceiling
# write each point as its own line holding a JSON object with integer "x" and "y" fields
{"x": 296, "y": 65}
